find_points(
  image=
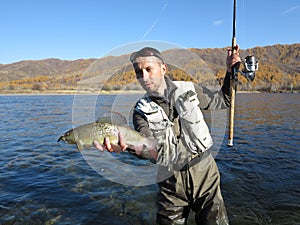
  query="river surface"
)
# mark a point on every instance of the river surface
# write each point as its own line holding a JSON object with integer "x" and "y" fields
{"x": 46, "y": 182}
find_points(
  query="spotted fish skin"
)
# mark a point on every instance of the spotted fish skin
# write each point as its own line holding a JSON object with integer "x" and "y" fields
{"x": 84, "y": 136}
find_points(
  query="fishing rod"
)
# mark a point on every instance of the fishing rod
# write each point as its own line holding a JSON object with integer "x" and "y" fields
{"x": 250, "y": 66}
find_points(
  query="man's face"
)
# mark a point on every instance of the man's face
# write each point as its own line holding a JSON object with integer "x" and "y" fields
{"x": 150, "y": 73}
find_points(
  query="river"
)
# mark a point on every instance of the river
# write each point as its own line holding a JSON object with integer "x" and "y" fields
{"x": 45, "y": 182}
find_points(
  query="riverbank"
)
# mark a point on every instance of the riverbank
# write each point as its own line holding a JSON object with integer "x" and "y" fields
{"x": 101, "y": 92}
{"x": 71, "y": 92}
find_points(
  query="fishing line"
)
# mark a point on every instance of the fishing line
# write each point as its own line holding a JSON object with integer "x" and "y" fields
{"x": 243, "y": 17}
{"x": 156, "y": 21}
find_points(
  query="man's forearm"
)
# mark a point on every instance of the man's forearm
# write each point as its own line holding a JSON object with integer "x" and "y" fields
{"x": 226, "y": 88}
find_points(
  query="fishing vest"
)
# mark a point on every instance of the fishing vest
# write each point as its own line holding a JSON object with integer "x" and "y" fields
{"x": 194, "y": 132}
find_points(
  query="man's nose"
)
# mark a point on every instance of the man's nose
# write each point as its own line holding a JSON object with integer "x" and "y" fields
{"x": 145, "y": 75}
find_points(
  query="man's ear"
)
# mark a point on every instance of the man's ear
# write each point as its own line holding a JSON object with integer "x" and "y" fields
{"x": 164, "y": 68}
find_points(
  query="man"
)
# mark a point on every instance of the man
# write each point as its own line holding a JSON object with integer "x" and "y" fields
{"x": 170, "y": 111}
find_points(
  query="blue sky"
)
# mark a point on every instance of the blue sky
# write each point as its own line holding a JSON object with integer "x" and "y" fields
{"x": 75, "y": 29}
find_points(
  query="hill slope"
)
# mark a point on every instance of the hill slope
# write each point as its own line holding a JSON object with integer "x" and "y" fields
{"x": 279, "y": 69}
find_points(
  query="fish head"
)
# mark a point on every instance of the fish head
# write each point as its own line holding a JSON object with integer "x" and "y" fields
{"x": 68, "y": 137}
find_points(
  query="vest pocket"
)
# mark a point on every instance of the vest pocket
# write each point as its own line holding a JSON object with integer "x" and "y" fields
{"x": 188, "y": 104}
{"x": 195, "y": 133}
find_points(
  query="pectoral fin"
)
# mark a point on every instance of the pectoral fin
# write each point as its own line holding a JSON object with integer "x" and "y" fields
{"x": 79, "y": 145}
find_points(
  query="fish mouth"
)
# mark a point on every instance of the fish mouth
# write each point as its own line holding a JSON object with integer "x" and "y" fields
{"x": 66, "y": 138}
{"x": 61, "y": 138}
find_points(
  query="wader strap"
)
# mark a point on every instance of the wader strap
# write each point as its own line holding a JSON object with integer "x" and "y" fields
{"x": 195, "y": 159}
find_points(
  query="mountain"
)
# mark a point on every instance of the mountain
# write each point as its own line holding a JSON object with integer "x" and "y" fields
{"x": 33, "y": 68}
{"x": 279, "y": 69}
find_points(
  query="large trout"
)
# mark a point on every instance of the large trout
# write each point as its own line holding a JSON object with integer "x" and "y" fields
{"x": 84, "y": 136}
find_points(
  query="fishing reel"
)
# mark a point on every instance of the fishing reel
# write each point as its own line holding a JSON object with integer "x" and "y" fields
{"x": 250, "y": 66}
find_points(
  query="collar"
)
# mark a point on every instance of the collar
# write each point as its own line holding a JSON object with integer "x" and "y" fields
{"x": 171, "y": 87}
{"x": 167, "y": 98}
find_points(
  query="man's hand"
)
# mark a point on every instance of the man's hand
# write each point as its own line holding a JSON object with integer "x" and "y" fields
{"x": 233, "y": 59}
{"x": 139, "y": 151}
{"x": 107, "y": 145}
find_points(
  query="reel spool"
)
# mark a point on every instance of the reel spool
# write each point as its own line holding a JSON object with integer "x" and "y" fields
{"x": 250, "y": 66}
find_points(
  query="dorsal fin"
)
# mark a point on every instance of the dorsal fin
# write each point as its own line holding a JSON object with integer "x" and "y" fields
{"x": 113, "y": 118}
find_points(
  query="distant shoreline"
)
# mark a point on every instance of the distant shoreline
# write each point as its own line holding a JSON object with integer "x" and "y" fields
{"x": 64, "y": 92}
